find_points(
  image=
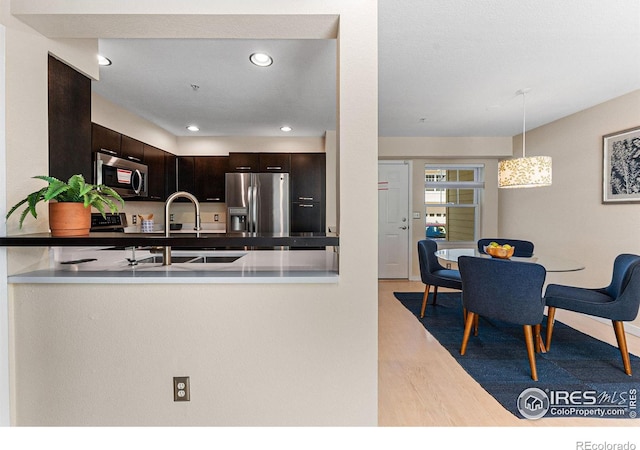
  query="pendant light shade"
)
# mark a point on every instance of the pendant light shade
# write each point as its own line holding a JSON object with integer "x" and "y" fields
{"x": 534, "y": 171}
{"x": 525, "y": 172}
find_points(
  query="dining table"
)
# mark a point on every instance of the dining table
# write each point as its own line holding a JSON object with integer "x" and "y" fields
{"x": 551, "y": 263}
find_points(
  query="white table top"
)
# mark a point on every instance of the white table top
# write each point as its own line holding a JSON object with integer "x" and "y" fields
{"x": 550, "y": 263}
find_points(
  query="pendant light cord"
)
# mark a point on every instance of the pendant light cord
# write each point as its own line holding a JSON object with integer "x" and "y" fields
{"x": 524, "y": 118}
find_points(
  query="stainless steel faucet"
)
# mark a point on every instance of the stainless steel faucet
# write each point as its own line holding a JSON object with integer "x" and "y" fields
{"x": 166, "y": 252}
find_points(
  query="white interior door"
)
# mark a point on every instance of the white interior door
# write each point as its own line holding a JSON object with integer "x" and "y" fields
{"x": 393, "y": 219}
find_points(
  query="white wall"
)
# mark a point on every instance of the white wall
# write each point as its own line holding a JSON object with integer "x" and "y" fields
{"x": 257, "y": 354}
{"x": 569, "y": 218}
{"x": 110, "y": 115}
{"x": 444, "y": 147}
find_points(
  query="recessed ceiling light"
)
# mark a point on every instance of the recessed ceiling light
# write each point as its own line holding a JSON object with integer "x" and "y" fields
{"x": 286, "y": 128}
{"x": 193, "y": 128}
{"x": 103, "y": 61}
{"x": 261, "y": 59}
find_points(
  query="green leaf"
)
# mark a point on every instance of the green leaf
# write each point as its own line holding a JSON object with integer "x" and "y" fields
{"x": 74, "y": 190}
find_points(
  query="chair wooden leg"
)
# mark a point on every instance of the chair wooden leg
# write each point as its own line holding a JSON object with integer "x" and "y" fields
{"x": 476, "y": 322}
{"x": 528, "y": 337}
{"x": 425, "y": 297}
{"x": 467, "y": 331}
{"x": 551, "y": 314}
{"x": 435, "y": 294}
{"x": 618, "y": 327}
{"x": 538, "y": 339}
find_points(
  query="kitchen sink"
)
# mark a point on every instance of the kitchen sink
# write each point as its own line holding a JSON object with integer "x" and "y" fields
{"x": 157, "y": 259}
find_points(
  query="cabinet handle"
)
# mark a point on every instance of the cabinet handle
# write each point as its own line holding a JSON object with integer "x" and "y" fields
{"x": 133, "y": 158}
{"x": 274, "y": 168}
{"x": 302, "y": 205}
{"x": 111, "y": 152}
{"x": 305, "y": 198}
{"x": 213, "y": 198}
{"x": 243, "y": 168}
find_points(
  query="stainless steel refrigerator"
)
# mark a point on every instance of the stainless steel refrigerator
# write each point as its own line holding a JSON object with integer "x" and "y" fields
{"x": 257, "y": 202}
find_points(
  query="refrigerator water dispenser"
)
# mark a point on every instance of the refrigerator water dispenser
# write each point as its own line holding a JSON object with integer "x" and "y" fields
{"x": 237, "y": 219}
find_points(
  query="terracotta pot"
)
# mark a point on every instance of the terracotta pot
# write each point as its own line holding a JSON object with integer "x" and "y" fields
{"x": 69, "y": 219}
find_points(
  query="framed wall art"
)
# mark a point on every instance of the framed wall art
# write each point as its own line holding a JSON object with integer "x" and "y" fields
{"x": 621, "y": 166}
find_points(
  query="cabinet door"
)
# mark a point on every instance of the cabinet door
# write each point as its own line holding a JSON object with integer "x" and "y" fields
{"x": 307, "y": 217}
{"x": 69, "y": 95}
{"x": 244, "y": 162}
{"x": 131, "y": 149}
{"x": 308, "y": 177}
{"x": 105, "y": 140}
{"x": 275, "y": 162}
{"x": 210, "y": 178}
{"x": 186, "y": 174}
{"x": 170, "y": 174}
{"x": 154, "y": 159}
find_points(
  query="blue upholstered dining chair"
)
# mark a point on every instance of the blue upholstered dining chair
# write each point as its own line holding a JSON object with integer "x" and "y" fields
{"x": 523, "y": 249}
{"x": 617, "y": 302}
{"x": 433, "y": 273}
{"x": 508, "y": 291}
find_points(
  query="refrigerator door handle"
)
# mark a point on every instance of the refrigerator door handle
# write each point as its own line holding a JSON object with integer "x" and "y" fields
{"x": 249, "y": 225}
{"x": 255, "y": 209}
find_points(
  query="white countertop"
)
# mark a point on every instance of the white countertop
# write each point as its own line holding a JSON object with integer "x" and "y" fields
{"x": 95, "y": 266}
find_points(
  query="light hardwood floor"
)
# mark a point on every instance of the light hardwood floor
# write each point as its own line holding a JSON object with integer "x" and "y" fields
{"x": 420, "y": 384}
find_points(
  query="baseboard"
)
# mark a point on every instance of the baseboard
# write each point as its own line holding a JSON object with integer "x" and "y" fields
{"x": 628, "y": 328}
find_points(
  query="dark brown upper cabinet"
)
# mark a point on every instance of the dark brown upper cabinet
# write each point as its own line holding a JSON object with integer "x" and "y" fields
{"x": 105, "y": 140}
{"x": 154, "y": 159}
{"x": 275, "y": 162}
{"x": 186, "y": 175}
{"x": 69, "y": 98}
{"x": 244, "y": 162}
{"x": 210, "y": 178}
{"x": 203, "y": 176}
{"x": 259, "y": 162}
{"x": 170, "y": 174}
{"x": 132, "y": 149}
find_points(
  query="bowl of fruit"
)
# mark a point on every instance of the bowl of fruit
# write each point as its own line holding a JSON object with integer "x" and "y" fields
{"x": 499, "y": 251}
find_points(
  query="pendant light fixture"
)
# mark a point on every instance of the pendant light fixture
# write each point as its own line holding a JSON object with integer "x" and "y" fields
{"x": 525, "y": 172}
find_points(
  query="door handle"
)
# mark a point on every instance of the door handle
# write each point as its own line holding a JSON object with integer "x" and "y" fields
{"x": 403, "y": 228}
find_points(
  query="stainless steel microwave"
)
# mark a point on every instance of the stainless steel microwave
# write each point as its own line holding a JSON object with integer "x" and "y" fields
{"x": 127, "y": 178}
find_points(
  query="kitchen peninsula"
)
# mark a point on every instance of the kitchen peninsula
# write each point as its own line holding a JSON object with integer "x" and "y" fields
{"x": 203, "y": 258}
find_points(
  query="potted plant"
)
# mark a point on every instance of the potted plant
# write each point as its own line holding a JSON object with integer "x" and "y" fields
{"x": 70, "y": 210}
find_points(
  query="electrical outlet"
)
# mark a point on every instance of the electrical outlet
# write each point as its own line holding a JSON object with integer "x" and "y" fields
{"x": 216, "y": 217}
{"x": 181, "y": 389}
{"x": 134, "y": 219}
{"x": 170, "y": 217}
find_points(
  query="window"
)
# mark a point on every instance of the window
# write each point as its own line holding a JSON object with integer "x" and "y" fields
{"x": 452, "y": 201}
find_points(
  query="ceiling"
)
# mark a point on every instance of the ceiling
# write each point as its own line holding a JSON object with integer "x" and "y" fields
{"x": 446, "y": 68}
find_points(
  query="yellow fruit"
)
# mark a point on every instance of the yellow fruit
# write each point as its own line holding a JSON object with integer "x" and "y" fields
{"x": 507, "y": 246}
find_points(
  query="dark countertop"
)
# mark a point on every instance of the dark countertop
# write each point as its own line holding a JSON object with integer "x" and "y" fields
{"x": 184, "y": 240}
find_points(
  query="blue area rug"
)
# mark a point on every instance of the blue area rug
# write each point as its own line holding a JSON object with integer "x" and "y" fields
{"x": 579, "y": 377}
